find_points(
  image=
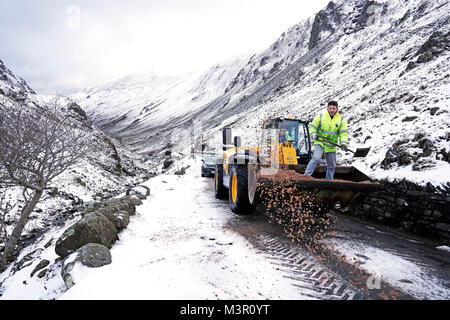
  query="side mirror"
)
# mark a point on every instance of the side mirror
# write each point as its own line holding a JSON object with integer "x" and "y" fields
{"x": 237, "y": 142}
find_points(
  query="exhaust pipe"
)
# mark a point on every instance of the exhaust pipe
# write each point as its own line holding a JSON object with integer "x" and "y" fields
{"x": 226, "y": 138}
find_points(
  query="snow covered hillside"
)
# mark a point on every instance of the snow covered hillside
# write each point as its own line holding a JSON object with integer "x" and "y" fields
{"x": 385, "y": 62}
{"x": 136, "y": 107}
{"x": 12, "y": 85}
{"x": 108, "y": 169}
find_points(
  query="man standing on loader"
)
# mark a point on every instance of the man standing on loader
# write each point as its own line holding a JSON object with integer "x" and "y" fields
{"x": 331, "y": 127}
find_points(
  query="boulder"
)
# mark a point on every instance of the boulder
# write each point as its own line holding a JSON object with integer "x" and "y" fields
{"x": 77, "y": 109}
{"x": 120, "y": 218}
{"x": 142, "y": 192}
{"x": 92, "y": 255}
{"x": 123, "y": 203}
{"x": 94, "y": 227}
{"x": 182, "y": 171}
{"x": 401, "y": 142}
{"x": 427, "y": 146}
{"x": 167, "y": 163}
{"x": 390, "y": 157}
{"x": 404, "y": 158}
{"x": 135, "y": 200}
{"x": 92, "y": 206}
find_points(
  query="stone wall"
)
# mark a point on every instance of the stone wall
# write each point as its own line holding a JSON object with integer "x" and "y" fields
{"x": 408, "y": 207}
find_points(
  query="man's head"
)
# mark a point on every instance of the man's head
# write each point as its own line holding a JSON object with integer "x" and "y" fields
{"x": 332, "y": 108}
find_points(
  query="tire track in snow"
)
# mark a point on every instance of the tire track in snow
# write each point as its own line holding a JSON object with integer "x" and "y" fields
{"x": 310, "y": 277}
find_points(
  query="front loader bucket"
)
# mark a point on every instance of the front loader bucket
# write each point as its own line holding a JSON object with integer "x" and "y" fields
{"x": 290, "y": 187}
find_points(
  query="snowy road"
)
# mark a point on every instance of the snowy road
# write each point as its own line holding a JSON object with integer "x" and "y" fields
{"x": 185, "y": 244}
{"x": 177, "y": 247}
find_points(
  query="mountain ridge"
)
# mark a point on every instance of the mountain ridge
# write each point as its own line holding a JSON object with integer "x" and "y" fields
{"x": 361, "y": 53}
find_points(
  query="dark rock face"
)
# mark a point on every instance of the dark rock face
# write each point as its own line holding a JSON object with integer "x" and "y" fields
{"x": 324, "y": 22}
{"x": 438, "y": 43}
{"x": 94, "y": 227}
{"x": 19, "y": 85}
{"x": 366, "y": 14}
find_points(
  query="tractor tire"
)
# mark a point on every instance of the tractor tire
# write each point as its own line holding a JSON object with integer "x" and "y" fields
{"x": 238, "y": 193}
{"x": 220, "y": 191}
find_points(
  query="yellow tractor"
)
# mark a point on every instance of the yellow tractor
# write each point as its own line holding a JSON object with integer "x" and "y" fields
{"x": 244, "y": 173}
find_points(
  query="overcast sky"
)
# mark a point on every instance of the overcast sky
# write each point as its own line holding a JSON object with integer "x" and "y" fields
{"x": 64, "y": 46}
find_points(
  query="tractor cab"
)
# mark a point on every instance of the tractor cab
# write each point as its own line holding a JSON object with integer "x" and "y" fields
{"x": 292, "y": 138}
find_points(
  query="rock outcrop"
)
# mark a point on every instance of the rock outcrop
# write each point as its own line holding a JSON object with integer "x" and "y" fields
{"x": 94, "y": 227}
{"x": 142, "y": 192}
{"x": 325, "y": 22}
{"x": 101, "y": 222}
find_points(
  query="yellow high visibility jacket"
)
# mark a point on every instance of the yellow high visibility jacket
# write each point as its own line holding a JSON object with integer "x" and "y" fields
{"x": 332, "y": 129}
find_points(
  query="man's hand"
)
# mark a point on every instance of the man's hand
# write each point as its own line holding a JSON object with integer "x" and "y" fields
{"x": 316, "y": 136}
{"x": 344, "y": 147}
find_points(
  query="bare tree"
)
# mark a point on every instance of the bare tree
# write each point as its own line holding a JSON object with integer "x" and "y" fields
{"x": 37, "y": 143}
{"x": 6, "y": 206}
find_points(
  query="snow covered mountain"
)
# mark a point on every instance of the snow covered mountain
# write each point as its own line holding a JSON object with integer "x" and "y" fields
{"x": 385, "y": 62}
{"x": 106, "y": 171}
{"x": 136, "y": 107}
